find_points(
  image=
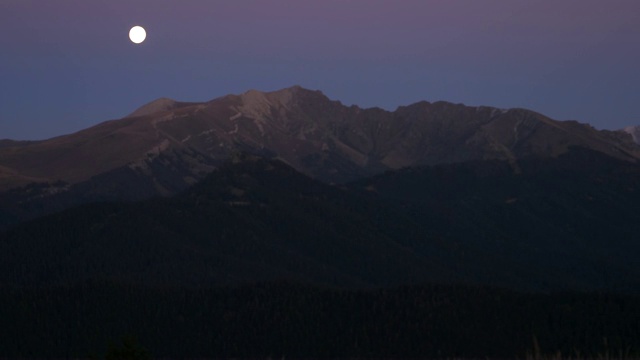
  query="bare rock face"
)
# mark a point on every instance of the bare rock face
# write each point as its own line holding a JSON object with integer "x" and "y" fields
{"x": 634, "y": 131}
{"x": 318, "y": 136}
{"x": 158, "y": 105}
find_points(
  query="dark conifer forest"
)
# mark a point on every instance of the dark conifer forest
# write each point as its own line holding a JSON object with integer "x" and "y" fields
{"x": 290, "y": 320}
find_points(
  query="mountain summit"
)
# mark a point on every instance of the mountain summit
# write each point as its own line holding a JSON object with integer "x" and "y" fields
{"x": 162, "y": 104}
{"x": 320, "y": 137}
{"x": 634, "y": 131}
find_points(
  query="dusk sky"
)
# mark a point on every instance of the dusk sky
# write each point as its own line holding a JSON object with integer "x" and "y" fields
{"x": 68, "y": 64}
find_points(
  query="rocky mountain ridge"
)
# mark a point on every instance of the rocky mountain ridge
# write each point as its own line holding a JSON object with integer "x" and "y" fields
{"x": 634, "y": 131}
{"x": 318, "y": 136}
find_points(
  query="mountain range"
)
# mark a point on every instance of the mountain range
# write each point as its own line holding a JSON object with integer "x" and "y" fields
{"x": 320, "y": 137}
{"x": 441, "y": 192}
{"x": 285, "y": 223}
{"x": 166, "y": 146}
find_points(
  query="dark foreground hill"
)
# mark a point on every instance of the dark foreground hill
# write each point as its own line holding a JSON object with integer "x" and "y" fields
{"x": 252, "y": 220}
{"x": 566, "y": 223}
{"x": 259, "y": 260}
{"x": 576, "y": 214}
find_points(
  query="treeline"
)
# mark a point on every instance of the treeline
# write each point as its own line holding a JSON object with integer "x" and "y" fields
{"x": 280, "y": 319}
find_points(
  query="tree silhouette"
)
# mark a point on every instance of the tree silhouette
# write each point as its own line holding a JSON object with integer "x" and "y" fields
{"x": 129, "y": 349}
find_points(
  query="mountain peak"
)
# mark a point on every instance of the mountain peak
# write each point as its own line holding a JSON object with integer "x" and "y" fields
{"x": 161, "y": 104}
{"x": 634, "y": 131}
{"x": 285, "y": 93}
{"x": 259, "y": 104}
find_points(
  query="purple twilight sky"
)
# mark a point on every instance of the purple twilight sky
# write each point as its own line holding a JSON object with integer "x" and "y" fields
{"x": 68, "y": 64}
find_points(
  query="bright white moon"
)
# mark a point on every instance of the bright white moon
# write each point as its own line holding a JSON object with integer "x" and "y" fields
{"x": 137, "y": 34}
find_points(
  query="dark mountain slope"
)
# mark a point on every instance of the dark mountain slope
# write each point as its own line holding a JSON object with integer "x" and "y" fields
{"x": 249, "y": 221}
{"x": 564, "y": 223}
{"x": 166, "y": 174}
{"x": 577, "y": 214}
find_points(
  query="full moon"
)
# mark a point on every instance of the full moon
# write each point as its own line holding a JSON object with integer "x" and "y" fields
{"x": 137, "y": 34}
